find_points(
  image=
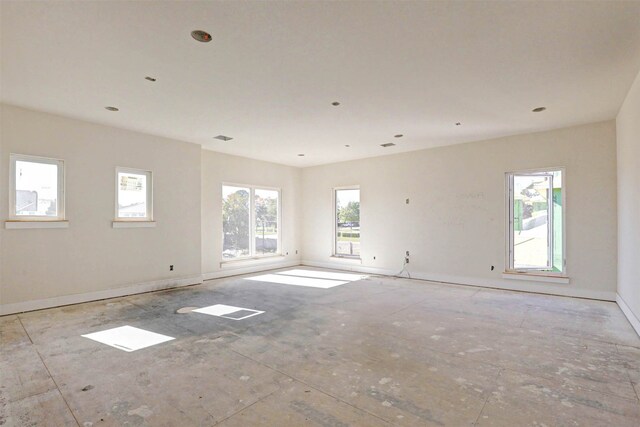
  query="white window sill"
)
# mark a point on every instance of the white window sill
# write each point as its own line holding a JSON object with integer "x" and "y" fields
{"x": 235, "y": 263}
{"x": 36, "y": 224}
{"x": 535, "y": 277}
{"x": 133, "y": 224}
{"x": 346, "y": 259}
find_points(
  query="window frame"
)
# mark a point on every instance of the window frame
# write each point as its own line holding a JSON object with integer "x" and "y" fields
{"x": 252, "y": 222}
{"x": 149, "y": 196}
{"x": 509, "y": 253}
{"x": 60, "y": 199}
{"x": 335, "y": 221}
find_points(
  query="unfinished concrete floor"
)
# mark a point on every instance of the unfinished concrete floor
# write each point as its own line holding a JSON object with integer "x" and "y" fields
{"x": 374, "y": 352}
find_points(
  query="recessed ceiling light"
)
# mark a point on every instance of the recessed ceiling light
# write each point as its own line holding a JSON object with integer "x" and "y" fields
{"x": 539, "y": 109}
{"x": 300, "y": 155}
{"x": 112, "y": 108}
{"x": 458, "y": 123}
{"x": 223, "y": 138}
{"x": 151, "y": 79}
{"x": 398, "y": 135}
{"x": 388, "y": 144}
{"x": 335, "y": 103}
{"x": 201, "y": 36}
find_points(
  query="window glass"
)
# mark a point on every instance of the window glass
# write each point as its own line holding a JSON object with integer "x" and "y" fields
{"x": 132, "y": 195}
{"x": 266, "y": 227}
{"x": 236, "y": 220}
{"x": 536, "y": 223}
{"x": 347, "y": 211}
{"x": 36, "y": 189}
{"x": 531, "y": 222}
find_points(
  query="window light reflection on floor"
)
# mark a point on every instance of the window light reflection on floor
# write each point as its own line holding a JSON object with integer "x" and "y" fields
{"x": 308, "y": 278}
{"x": 128, "y": 338}
{"x": 227, "y": 311}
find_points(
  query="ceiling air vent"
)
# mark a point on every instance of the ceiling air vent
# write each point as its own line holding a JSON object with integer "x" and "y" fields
{"x": 388, "y": 144}
{"x": 223, "y": 138}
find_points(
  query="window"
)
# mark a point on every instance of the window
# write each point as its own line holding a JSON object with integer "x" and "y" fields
{"x": 134, "y": 195}
{"x": 536, "y": 222}
{"x": 250, "y": 222}
{"x": 37, "y": 188}
{"x": 347, "y": 222}
{"x": 266, "y": 224}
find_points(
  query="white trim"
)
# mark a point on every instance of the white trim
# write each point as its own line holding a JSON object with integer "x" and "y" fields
{"x": 508, "y": 285}
{"x": 346, "y": 259}
{"x": 60, "y": 191}
{"x": 133, "y": 224}
{"x": 532, "y": 277}
{"x": 335, "y": 218}
{"x": 252, "y": 221}
{"x": 349, "y": 266}
{"x": 509, "y": 215}
{"x": 139, "y": 288}
{"x": 630, "y": 315}
{"x": 148, "y": 197}
{"x": 244, "y": 269}
{"x": 35, "y": 224}
{"x": 239, "y": 262}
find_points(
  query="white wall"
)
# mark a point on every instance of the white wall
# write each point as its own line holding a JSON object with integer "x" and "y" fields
{"x": 628, "y": 134}
{"x": 454, "y": 225}
{"x": 91, "y": 258}
{"x": 218, "y": 168}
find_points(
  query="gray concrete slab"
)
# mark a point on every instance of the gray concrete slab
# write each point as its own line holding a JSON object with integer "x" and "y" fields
{"x": 373, "y": 352}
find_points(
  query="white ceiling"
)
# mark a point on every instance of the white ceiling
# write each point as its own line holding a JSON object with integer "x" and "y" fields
{"x": 273, "y": 68}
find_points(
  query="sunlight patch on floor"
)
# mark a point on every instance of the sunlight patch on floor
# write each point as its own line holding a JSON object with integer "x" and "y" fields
{"x": 308, "y": 278}
{"x": 128, "y": 338}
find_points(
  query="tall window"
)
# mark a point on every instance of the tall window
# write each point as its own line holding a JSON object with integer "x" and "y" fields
{"x": 536, "y": 222}
{"x": 347, "y": 222}
{"x": 266, "y": 221}
{"x": 37, "y": 188}
{"x": 134, "y": 195}
{"x": 250, "y": 221}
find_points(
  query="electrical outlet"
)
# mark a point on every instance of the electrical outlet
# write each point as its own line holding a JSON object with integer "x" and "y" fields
{"x": 287, "y": 253}
{"x": 296, "y": 252}
{"x": 407, "y": 254}
{"x": 171, "y": 267}
{"x": 492, "y": 268}
{"x": 406, "y": 260}
{"x": 374, "y": 257}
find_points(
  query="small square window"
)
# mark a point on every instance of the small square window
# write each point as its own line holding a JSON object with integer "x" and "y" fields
{"x": 134, "y": 195}
{"x": 37, "y": 188}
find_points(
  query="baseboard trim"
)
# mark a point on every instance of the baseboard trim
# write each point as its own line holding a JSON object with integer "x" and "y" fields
{"x": 630, "y": 315}
{"x": 140, "y": 288}
{"x": 498, "y": 283}
{"x": 344, "y": 266}
{"x": 236, "y": 271}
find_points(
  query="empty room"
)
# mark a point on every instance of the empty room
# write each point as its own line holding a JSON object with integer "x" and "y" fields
{"x": 319, "y": 213}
